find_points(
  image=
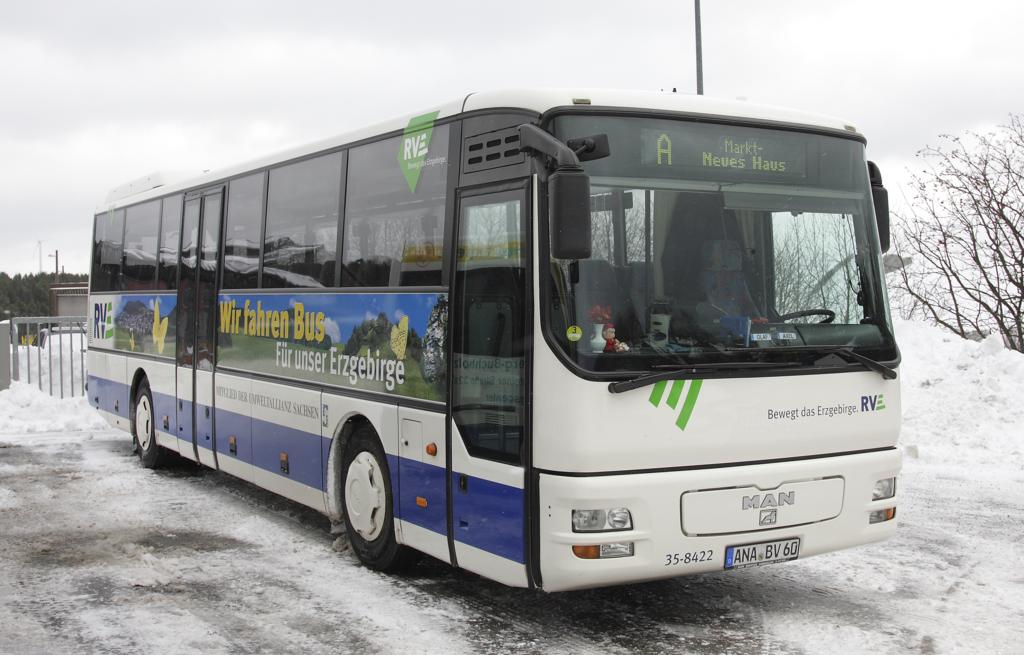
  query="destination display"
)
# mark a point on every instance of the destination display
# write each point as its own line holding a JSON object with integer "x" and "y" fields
{"x": 749, "y": 154}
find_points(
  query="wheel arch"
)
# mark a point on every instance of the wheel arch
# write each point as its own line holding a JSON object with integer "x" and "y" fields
{"x": 137, "y": 378}
{"x": 333, "y": 489}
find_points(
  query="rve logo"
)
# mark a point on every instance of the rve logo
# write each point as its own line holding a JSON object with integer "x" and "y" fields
{"x": 415, "y": 146}
{"x": 674, "y": 394}
{"x": 872, "y": 403}
{"x": 102, "y": 320}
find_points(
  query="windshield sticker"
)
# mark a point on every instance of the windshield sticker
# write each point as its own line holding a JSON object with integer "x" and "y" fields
{"x": 413, "y": 147}
{"x": 573, "y": 333}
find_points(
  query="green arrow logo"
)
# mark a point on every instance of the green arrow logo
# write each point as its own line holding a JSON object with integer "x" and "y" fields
{"x": 413, "y": 147}
{"x": 674, "y": 394}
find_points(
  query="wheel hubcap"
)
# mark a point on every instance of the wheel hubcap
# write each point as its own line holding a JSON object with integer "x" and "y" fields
{"x": 365, "y": 496}
{"x": 143, "y": 423}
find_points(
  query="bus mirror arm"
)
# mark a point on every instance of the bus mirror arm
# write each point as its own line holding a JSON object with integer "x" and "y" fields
{"x": 568, "y": 192}
{"x": 536, "y": 142}
{"x": 880, "y": 198}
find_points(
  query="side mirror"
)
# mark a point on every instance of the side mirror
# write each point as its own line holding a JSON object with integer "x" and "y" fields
{"x": 569, "y": 211}
{"x": 880, "y": 197}
{"x": 568, "y": 189}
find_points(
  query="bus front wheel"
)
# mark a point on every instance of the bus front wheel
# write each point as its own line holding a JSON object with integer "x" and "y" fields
{"x": 369, "y": 504}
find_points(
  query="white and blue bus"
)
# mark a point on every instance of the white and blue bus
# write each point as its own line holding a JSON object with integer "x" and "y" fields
{"x": 562, "y": 339}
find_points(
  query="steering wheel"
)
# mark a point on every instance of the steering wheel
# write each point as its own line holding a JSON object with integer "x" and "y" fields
{"x": 827, "y": 313}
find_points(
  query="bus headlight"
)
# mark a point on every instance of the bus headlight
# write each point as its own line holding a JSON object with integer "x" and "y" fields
{"x": 884, "y": 489}
{"x": 601, "y": 520}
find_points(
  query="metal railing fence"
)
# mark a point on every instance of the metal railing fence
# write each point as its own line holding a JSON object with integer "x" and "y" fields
{"x": 47, "y": 347}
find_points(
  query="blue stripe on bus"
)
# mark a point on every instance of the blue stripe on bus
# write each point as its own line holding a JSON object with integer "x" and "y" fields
{"x": 164, "y": 405}
{"x": 304, "y": 449}
{"x": 111, "y": 394}
{"x": 488, "y": 515}
{"x": 232, "y": 424}
{"x": 420, "y": 480}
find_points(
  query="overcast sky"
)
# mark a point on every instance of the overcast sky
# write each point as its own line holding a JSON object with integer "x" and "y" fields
{"x": 93, "y": 94}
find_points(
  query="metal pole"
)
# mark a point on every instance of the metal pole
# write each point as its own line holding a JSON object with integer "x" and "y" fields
{"x": 5, "y": 355}
{"x": 39, "y": 360}
{"x": 71, "y": 357}
{"x": 28, "y": 355}
{"x": 49, "y": 358}
{"x": 81, "y": 353}
{"x": 61, "y": 363}
{"x": 700, "y": 55}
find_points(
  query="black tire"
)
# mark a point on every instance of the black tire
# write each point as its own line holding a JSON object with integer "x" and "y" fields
{"x": 369, "y": 523}
{"x": 144, "y": 428}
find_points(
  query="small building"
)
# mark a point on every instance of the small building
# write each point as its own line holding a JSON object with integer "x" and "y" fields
{"x": 69, "y": 298}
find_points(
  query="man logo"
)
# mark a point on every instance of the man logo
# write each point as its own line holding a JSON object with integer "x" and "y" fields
{"x": 769, "y": 516}
{"x": 757, "y": 501}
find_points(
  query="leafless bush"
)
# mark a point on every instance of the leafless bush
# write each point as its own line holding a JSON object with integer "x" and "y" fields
{"x": 964, "y": 233}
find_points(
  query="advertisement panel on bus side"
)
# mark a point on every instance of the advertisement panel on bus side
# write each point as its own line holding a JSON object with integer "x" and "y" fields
{"x": 140, "y": 323}
{"x": 387, "y": 343}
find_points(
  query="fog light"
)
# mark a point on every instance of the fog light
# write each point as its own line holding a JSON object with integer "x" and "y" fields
{"x": 624, "y": 549}
{"x": 604, "y": 551}
{"x": 882, "y": 515}
{"x": 884, "y": 489}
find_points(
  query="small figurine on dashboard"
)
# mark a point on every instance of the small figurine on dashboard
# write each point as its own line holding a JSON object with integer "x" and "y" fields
{"x": 611, "y": 344}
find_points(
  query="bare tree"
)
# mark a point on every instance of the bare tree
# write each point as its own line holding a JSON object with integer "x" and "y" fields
{"x": 964, "y": 232}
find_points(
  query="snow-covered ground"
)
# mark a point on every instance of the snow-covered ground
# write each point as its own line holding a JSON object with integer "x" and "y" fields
{"x": 100, "y": 555}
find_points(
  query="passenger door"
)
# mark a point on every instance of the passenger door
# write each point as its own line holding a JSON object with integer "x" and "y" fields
{"x": 488, "y": 395}
{"x": 196, "y": 324}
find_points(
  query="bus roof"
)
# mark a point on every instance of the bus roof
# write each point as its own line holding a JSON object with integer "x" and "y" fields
{"x": 537, "y": 100}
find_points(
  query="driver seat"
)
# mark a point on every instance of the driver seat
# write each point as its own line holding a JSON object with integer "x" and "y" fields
{"x": 723, "y": 281}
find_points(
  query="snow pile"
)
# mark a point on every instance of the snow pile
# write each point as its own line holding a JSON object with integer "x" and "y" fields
{"x": 25, "y": 409}
{"x": 961, "y": 399}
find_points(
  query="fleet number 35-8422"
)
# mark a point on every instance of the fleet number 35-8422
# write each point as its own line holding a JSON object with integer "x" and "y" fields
{"x": 674, "y": 559}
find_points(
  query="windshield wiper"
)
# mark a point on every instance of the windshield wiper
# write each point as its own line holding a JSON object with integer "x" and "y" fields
{"x": 845, "y": 351}
{"x": 674, "y": 373}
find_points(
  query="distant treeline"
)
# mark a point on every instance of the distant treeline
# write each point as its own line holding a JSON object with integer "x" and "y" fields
{"x": 29, "y": 295}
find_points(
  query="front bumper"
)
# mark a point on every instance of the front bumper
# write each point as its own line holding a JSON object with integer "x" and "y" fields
{"x": 655, "y": 499}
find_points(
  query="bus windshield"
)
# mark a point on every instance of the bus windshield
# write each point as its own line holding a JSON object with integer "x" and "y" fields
{"x": 720, "y": 243}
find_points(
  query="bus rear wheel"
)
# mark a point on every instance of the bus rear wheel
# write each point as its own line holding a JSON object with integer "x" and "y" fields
{"x": 369, "y": 504}
{"x": 144, "y": 428}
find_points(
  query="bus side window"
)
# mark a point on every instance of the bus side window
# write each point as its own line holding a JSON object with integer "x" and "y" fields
{"x": 141, "y": 231}
{"x": 170, "y": 235}
{"x": 394, "y": 220}
{"x": 302, "y": 223}
{"x": 242, "y": 232}
{"x": 108, "y": 247}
